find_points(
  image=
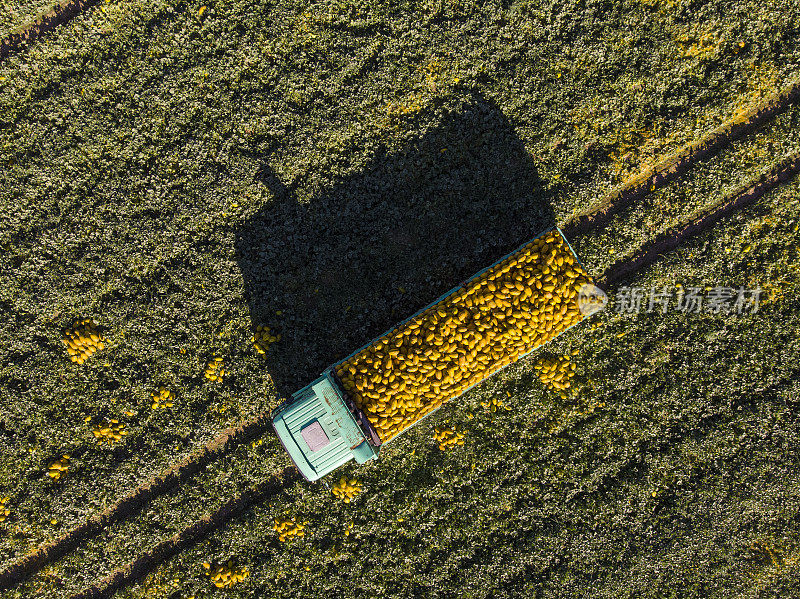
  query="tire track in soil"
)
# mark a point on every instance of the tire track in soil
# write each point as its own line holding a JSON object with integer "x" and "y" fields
{"x": 200, "y": 529}
{"x": 677, "y": 164}
{"x": 175, "y": 475}
{"x": 58, "y": 15}
{"x": 671, "y": 238}
{"x": 648, "y": 253}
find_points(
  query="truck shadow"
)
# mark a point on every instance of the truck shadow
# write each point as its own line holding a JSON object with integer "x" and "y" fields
{"x": 334, "y": 273}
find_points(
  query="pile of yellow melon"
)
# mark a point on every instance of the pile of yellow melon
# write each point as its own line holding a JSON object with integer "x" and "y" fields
{"x": 4, "y": 511}
{"x": 224, "y": 575}
{"x": 162, "y": 399}
{"x": 507, "y": 311}
{"x": 83, "y": 340}
{"x": 493, "y": 405}
{"x": 287, "y": 529}
{"x": 58, "y": 468}
{"x": 263, "y": 338}
{"x": 448, "y": 438}
{"x": 215, "y": 370}
{"x": 347, "y": 488}
{"x": 556, "y": 373}
{"x": 109, "y": 432}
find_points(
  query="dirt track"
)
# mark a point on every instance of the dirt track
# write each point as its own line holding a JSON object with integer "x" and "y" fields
{"x": 133, "y": 503}
{"x": 672, "y": 167}
{"x": 59, "y": 15}
{"x": 673, "y": 237}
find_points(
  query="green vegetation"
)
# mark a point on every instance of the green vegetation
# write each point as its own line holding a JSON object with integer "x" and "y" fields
{"x": 182, "y": 176}
{"x": 669, "y": 474}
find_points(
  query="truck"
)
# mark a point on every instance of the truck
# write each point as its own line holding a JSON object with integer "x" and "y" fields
{"x": 501, "y": 314}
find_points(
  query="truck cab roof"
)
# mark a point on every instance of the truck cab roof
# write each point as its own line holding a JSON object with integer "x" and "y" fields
{"x": 319, "y": 431}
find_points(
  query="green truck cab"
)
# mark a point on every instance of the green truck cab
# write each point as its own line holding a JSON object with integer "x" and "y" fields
{"x": 321, "y": 429}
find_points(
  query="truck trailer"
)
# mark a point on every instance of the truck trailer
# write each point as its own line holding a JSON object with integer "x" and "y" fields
{"x": 499, "y": 315}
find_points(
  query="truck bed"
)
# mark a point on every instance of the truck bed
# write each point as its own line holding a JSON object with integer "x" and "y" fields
{"x": 382, "y": 378}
